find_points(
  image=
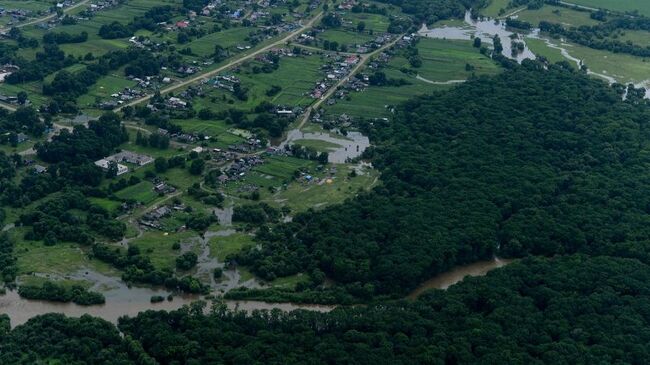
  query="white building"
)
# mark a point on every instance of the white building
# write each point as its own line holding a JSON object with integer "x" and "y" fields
{"x": 103, "y": 163}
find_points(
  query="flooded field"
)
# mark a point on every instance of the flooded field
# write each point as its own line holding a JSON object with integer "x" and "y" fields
{"x": 485, "y": 29}
{"x": 129, "y": 301}
{"x": 349, "y": 147}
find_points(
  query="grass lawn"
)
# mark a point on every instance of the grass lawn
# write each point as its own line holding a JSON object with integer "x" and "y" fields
{"x": 345, "y": 37}
{"x": 318, "y": 145}
{"x": 204, "y": 46}
{"x": 643, "y": 6}
{"x": 374, "y": 22}
{"x": 61, "y": 259}
{"x": 300, "y": 196}
{"x": 495, "y": 6}
{"x": 556, "y": 14}
{"x": 221, "y": 247}
{"x": 142, "y": 192}
{"x": 158, "y": 247}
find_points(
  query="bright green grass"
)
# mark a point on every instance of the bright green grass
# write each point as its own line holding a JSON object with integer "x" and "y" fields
{"x": 204, "y": 46}
{"x": 221, "y": 247}
{"x": 539, "y": 47}
{"x": 318, "y": 145}
{"x": 638, "y": 37}
{"x": 61, "y": 259}
{"x": 444, "y": 60}
{"x": 158, "y": 247}
{"x": 282, "y": 167}
{"x": 555, "y": 14}
{"x": 142, "y": 192}
{"x": 104, "y": 88}
{"x": 624, "y": 68}
{"x": 345, "y": 37}
{"x": 296, "y": 76}
{"x": 495, "y": 6}
{"x": 374, "y": 22}
{"x": 643, "y": 6}
{"x": 300, "y": 196}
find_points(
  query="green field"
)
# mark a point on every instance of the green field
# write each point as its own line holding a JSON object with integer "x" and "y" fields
{"x": 345, "y": 37}
{"x": 142, "y": 192}
{"x": 442, "y": 61}
{"x": 625, "y": 68}
{"x": 374, "y": 22}
{"x": 642, "y": 6}
{"x": 539, "y": 47}
{"x": 494, "y": 8}
{"x": 158, "y": 247}
{"x": 638, "y": 37}
{"x": 221, "y": 247}
{"x": 204, "y": 46}
{"x": 300, "y": 196}
{"x": 556, "y": 14}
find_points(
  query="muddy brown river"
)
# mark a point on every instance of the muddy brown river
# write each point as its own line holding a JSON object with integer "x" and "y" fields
{"x": 123, "y": 301}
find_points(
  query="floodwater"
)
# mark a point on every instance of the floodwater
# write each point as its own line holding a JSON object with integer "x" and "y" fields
{"x": 138, "y": 300}
{"x": 124, "y": 301}
{"x": 456, "y": 275}
{"x": 351, "y": 145}
{"x": 485, "y": 29}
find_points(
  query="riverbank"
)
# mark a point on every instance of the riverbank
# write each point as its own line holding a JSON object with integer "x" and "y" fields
{"x": 125, "y": 301}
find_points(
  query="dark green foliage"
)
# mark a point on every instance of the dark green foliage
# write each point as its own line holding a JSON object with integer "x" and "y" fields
{"x": 55, "y": 339}
{"x": 470, "y": 173}
{"x": 186, "y": 261}
{"x": 570, "y": 310}
{"x": 60, "y": 293}
{"x": 256, "y": 214}
{"x": 8, "y": 268}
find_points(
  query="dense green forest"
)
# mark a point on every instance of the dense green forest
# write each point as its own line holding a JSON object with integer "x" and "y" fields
{"x": 531, "y": 162}
{"x": 565, "y": 310}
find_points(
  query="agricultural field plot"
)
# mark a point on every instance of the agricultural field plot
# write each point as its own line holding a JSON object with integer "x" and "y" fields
{"x": 443, "y": 63}
{"x": 228, "y": 38}
{"x": 343, "y": 37}
{"x": 275, "y": 172}
{"x": 444, "y": 60}
{"x": 376, "y": 23}
{"x": 642, "y": 6}
{"x": 103, "y": 89}
{"x": 141, "y": 192}
{"x": 555, "y": 14}
{"x": 36, "y": 8}
{"x": 296, "y": 76}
